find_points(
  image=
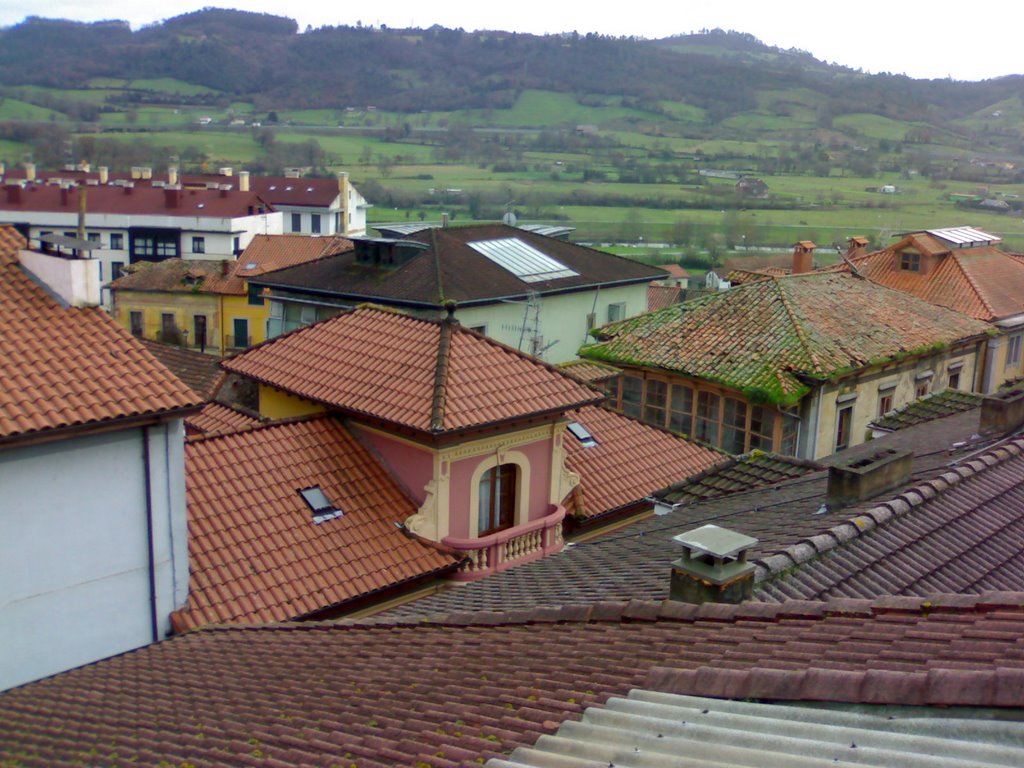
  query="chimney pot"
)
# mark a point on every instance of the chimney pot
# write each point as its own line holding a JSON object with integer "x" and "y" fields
{"x": 444, "y": 220}
{"x": 30, "y": 171}
{"x": 104, "y": 174}
{"x": 713, "y": 568}
{"x": 172, "y": 175}
{"x": 226, "y": 171}
{"x": 243, "y": 181}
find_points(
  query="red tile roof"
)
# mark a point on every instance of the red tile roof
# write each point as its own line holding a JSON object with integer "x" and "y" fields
{"x": 201, "y": 372}
{"x": 661, "y": 296}
{"x": 433, "y": 377}
{"x": 767, "y": 338}
{"x": 674, "y": 270}
{"x": 630, "y": 461}
{"x": 64, "y": 367}
{"x": 588, "y": 371}
{"x": 254, "y": 550}
{"x": 472, "y": 686}
{"x": 216, "y": 417}
{"x": 267, "y": 253}
{"x": 982, "y": 282}
{"x": 140, "y": 200}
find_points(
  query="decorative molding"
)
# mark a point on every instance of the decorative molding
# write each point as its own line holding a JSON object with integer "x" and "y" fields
{"x": 424, "y": 522}
{"x": 498, "y": 442}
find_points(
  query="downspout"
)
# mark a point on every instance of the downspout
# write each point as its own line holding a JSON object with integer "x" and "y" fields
{"x": 812, "y": 433}
{"x": 155, "y": 624}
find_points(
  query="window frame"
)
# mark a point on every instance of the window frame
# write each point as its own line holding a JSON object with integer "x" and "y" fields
{"x": 497, "y": 501}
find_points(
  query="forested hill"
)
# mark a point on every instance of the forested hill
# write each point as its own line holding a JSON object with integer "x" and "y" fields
{"x": 266, "y": 59}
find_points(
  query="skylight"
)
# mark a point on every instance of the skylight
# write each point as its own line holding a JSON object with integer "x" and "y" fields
{"x": 965, "y": 237}
{"x": 522, "y": 259}
{"x": 323, "y": 509}
{"x": 582, "y": 434}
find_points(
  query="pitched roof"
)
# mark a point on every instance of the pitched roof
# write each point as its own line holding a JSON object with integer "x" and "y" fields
{"x": 588, "y": 371}
{"x": 65, "y": 367}
{"x": 658, "y": 727}
{"x": 138, "y": 200}
{"x": 216, "y": 417}
{"x": 201, "y": 372}
{"x": 661, "y": 296}
{"x": 961, "y": 532}
{"x": 266, "y": 253}
{"x": 767, "y": 338}
{"x": 634, "y": 563}
{"x": 451, "y": 269}
{"x": 629, "y": 460}
{"x": 432, "y": 377}
{"x": 450, "y": 691}
{"x": 255, "y": 552}
{"x": 181, "y": 276}
{"x": 982, "y": 282}
{"x": 735, "y": 474}
{"x": 931, "y": 406}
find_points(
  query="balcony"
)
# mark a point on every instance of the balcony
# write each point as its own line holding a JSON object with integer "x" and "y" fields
{"x": 499, "y": 551}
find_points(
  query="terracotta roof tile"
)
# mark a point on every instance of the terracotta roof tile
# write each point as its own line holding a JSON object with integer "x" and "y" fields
{"x": 588, "y": 371}
{"x": 448, "y": 692}
{"x": 266, "y": 253}
{"x": 661, "y": 296}
{"x": 933, "y": 406}
{"x": 181, "y": 276}
{"x": 257, "y": 554}
{"x": 735, "y": 474}
{"x": 764, "y": 338}
{"x": 433, "y": 377}
{"x": 216, "y": 417}
{"x": 201, "y": 372}
{"x": 983, "y": 282}
{"x": 64, "y": 367}
{"x": 630, "y": 460}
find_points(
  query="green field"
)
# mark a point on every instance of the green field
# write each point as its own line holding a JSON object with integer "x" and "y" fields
{"x": 15, "y": 109}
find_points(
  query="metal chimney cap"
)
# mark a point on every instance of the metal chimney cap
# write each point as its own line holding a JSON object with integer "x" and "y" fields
{"x": 715, "y": 541}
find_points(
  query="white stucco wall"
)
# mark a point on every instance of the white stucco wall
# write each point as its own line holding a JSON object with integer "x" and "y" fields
{"x": 74, "y": 559}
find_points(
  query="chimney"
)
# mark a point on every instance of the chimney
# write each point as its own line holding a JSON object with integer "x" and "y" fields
{"x": 136, "y": 172}
{"x": 803, "y": 256}
{"x": 444, "y": 220}
{"x": 225, "y": 267}
{"x": 1001, "y": 412}
{"x": 224, "y": 189}
{"x": 172, "y": 175}
{"x": 226, "y": 171}
{"x": 75, "y": 279}
{"x": 713, "y": 568}
{"x": 243, "y": 181}
{"x": 147, "y": 173}
{"x": 343, "y": 192}
{"x": 30, "y": 171}
{"x": 104, "y": 174}
{"x": 172, "y": 196}
{"x": 858, "y": 479}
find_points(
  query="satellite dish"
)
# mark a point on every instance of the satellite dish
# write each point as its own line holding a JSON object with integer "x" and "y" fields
{"x": 509, "y": 218}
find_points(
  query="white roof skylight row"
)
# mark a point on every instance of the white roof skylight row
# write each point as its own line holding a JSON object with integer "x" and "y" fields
{"x": 964, "y": 236}
{"x": 522, "y": 259}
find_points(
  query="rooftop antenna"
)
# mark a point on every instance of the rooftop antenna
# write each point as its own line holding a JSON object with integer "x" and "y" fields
{"x": 853, "y": 269}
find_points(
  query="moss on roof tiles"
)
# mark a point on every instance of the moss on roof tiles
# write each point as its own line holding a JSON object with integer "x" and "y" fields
{"x": 771, "y": 340}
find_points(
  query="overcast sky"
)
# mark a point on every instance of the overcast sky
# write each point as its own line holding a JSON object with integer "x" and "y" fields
{"x": 934, "y": 39}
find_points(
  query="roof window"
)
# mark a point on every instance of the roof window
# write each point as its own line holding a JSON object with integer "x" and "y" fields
{"x": 522, "y": 259}
{"x": 323, "y": 509}
{"x": 582, "y": 434}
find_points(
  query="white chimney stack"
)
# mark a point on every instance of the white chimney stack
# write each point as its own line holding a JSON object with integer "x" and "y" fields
{"x": 75, "y": 279}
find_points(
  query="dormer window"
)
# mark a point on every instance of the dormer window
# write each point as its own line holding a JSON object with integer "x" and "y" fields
{"x": 910, "y": 261}
{"x": 323, "y": 509}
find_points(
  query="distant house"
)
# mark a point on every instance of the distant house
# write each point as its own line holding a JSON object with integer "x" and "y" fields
{"x": 963, "y": 269}
{"x": 797, "y": 364}
{"x": 132, "y": 220}
{"x": 749, "y": 186}
{"x": 212, "y": 306}
{"x": 537, "y": 294}
{"x": 93, "y": 553}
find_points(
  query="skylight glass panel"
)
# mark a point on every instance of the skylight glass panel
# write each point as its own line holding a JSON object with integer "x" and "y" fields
{"x": 582, "y": 434}
{"x": 323, "y": 509}
{"x": 522, "y": 259}
{"x": 964, "y": 236}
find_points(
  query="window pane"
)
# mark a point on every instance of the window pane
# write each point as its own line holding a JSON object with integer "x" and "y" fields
{"x": 632, "y": 394}
{"x": 762, "y": 427}
{"x": 654, "y": 404}
{"x": 681, "y": 416}
{"x": 790, "y": 430}
{"x": 734, "y": 423}
{"x": 707, "y": 417}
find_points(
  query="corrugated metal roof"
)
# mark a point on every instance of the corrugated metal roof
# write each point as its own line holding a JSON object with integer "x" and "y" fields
{"x": 522, "y": 259}
{"x": 658, "y": 729}
{"x": 964, "y": 236}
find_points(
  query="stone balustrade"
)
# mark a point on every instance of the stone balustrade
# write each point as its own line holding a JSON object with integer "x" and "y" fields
{"x": 497, "y": 551}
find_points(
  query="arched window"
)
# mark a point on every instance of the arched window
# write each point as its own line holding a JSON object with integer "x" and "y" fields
{"x": 497, "y": 499}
